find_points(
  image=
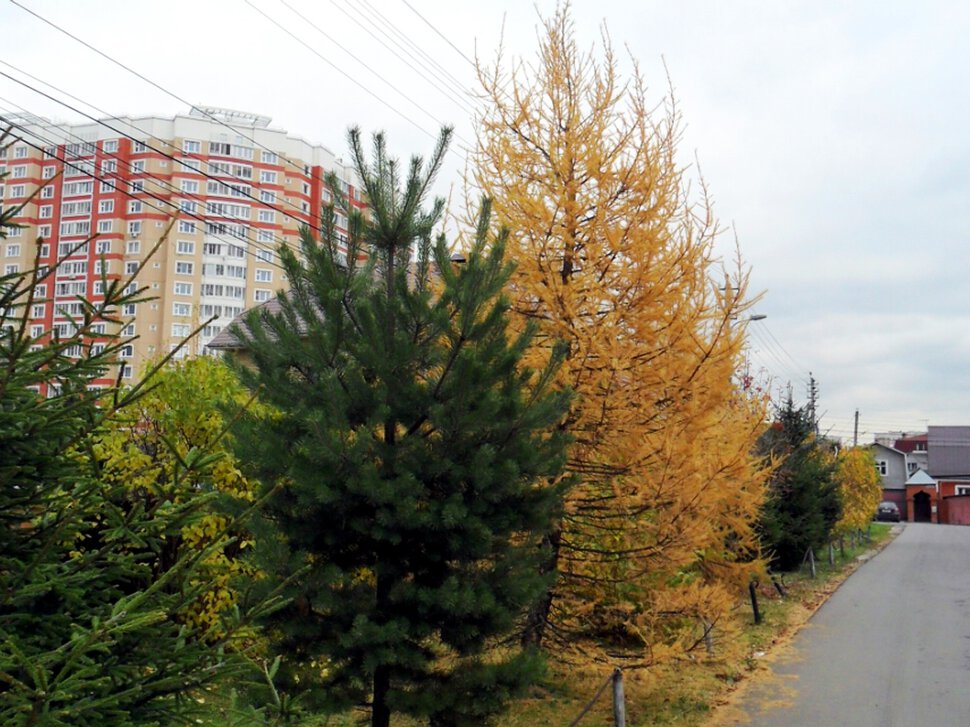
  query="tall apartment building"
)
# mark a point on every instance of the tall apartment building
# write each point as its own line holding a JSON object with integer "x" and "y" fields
{"x": 226, "y": 188}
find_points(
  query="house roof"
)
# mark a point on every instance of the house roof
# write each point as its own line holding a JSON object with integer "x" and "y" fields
{"x": 890, "y": 450}
{"x": 920, "y": 477}
{"x": 908, "y": 444}
{"x": 226, "y": 339}
{"x": 949, "y": 451}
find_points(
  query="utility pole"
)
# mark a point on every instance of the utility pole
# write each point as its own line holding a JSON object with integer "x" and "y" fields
{"x": 855, "y": 431}
{"x": 813, "y": 401}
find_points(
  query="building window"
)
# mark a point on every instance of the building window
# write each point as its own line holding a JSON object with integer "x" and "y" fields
{"x": 185, "y": 247}
{"x": 110, "y": 146}
{"x": 267, "y": 216}
{"x": 180, "y": 330}
{"x": 13, "y": 250}
{"x": 105, "y": 226}
{"x": 267, "y": 177}
{"x": 264, "y": 256}
{"x": 138, "y": 147}
{"x": 103, "y": 247}
{"x": 268, "y": 157}
{"x": 183, "y": 268}
{"x": 191, "y": 146}
{"x": 134, "y": 228}
{"x": 47, "y": 172}
{"x": 19, "y": 172}
{"x": 189, "y": 186}
{"x": 134, "y": 207}
{"x": 136, "y": 186}
{"x": 182, "y": 309}
{"x": 106, "y": 206}
{"x": 183, "y": 288}
{"x": 18, "y": 190}
{"x": 37, "y": 311}
{"x": 264, "y": 276}
{"x": 261, "y": 295}
{"x": 911, "y": 467}
{"x": 962, "y": 490}
{"x": 47, "y": 192}
{"x": 882, "y": 467}
{"x": 138, "y": 166}
{"x": 186, "y": 227}
{"x": 44, "y": 231}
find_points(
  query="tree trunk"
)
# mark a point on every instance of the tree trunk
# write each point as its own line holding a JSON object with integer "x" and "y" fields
{"x": 380, "y": 712}
{"x": 538, "y": 617}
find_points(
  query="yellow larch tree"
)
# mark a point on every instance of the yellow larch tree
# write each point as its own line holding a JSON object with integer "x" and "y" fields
{"x": 615, "y": 257}
{"x": 860, "y": 488}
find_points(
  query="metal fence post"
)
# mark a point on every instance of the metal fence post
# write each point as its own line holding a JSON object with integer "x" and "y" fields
{"x": 619, "y": 701}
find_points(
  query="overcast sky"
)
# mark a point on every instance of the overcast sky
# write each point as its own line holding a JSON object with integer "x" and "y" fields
{"x": 834, "y": 137}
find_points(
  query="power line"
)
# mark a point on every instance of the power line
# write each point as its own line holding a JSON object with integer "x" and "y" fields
{"x": 158, "y": 86}
{"x": 178, "y": 160}
{"x": 162, "y": 153}
{"x": 342, "y": 72}
{"x": 440, "y": 34}
{"x": 440, "y": 72}
{"x": 94, "y": 177}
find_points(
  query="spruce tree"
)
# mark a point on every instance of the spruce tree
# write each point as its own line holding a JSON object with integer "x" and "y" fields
{"x": 414, "y": 456}
{"x": 803, "y": 503}
{"x": 91, "y": 627}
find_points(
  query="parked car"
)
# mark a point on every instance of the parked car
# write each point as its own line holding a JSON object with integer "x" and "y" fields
{"x": 887, "y": 511}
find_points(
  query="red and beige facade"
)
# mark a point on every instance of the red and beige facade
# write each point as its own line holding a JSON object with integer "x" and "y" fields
{"x": 217, "y": 191}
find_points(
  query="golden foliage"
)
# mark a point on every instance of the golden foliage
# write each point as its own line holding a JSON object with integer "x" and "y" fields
{"x": 615, "y": 258}
{"x": 147, "y": 451}
{"x": 860, "y": 488}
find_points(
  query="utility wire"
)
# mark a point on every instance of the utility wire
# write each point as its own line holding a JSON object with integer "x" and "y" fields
{"x": 442, "y": 35}
{"x": 123, "y": 182}
{"x": 342, "y": 72}
{"x": 203, "y": 111}
{"x": 440, "y": 72}
{"x": 94, "y": 177}
{"x": 356, "y": 20}
{"x": 177, "y": 160}
{"x": 362, "y": 62}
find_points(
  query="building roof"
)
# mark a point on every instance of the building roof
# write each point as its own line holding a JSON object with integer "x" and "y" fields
{"x": 891, "y": 450}
{"x": 920, "y": 477}
{"x": 909, "y": 443}
{"x": 949, "y": 451}
{"x": 226, "y": 339}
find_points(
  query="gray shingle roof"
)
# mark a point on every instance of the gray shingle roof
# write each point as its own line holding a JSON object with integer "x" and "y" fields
{"x": 949, "y": 451}
{"x": 226, "y": 340}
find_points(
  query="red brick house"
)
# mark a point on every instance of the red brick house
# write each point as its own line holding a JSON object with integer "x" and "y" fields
{"x": 948, "y": 449}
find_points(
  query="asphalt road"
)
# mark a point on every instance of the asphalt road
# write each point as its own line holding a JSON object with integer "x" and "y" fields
{"x": 891, "y": 647}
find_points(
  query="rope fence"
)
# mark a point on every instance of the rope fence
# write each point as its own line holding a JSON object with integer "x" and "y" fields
{"x": 619, "y": 700}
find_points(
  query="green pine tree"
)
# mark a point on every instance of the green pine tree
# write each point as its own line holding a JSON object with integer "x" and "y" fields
{"x": 90, "y": 632}
{"x": 415, "y": 457}
{"x": 803, "y": 503}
